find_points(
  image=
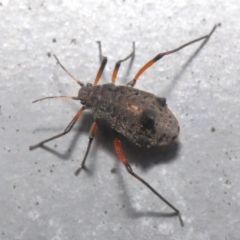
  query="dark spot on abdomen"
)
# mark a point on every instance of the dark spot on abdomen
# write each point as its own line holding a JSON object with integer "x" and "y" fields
{"x": 147, "y": 119}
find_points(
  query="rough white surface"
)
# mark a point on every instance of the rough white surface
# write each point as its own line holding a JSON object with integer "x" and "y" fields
{"x": 40, "y": 196}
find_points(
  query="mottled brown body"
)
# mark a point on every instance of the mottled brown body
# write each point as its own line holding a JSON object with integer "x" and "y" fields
{"x": 141, "y": 117}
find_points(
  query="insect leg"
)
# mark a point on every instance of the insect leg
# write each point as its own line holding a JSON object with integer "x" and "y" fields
{"x": 92, "y": 133}
{"x": 118, "y": 63}
{"x": 68, "y": 129}
{"x": 160, "y": 55}
{"x": 102, "y": 66}
{"x": 122, "y": 157}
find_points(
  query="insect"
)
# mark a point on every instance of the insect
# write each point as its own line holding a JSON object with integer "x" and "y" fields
{"x": 141, "y": 117}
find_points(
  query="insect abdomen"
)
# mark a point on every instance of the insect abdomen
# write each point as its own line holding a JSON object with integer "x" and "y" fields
{"x": 141, "y": 117}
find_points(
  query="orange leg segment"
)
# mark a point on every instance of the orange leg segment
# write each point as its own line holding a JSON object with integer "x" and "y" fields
{"x": 122, "y": 157}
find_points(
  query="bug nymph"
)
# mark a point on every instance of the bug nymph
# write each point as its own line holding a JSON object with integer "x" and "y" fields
{"x": 141, "y": 117}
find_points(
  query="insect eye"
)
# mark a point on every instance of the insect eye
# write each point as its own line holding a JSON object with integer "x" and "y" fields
{"x": 162, "y": 101}
{"x": 89, "y": 85}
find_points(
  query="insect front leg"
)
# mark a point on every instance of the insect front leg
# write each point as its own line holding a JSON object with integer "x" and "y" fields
{"x": 67, "y": 130}
{"x": 118, "y": 63}
{"x": 103, "y": 60}
{"x": 92, "y": 134}
{"x": 122, "y": 157}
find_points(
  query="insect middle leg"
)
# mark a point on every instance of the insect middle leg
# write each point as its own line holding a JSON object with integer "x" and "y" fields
{"x": 67, "y": 130}
{"x": 92, "y": 134}
{"x": 122, "y": 157}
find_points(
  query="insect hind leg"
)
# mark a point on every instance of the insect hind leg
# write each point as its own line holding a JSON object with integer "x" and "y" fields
{"x": 123, "y": 159}
{"x": 161, "y": 55}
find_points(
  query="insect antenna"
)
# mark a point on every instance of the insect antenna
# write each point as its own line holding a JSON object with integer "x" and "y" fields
{"x": 69, "y": 97}
{"x": 68, "y": 73}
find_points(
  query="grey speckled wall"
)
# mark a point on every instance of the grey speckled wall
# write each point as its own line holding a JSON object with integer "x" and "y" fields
{"x": 41, "y": 198}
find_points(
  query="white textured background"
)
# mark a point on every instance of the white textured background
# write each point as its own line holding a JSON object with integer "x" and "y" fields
{"x": 40, "y": 197}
